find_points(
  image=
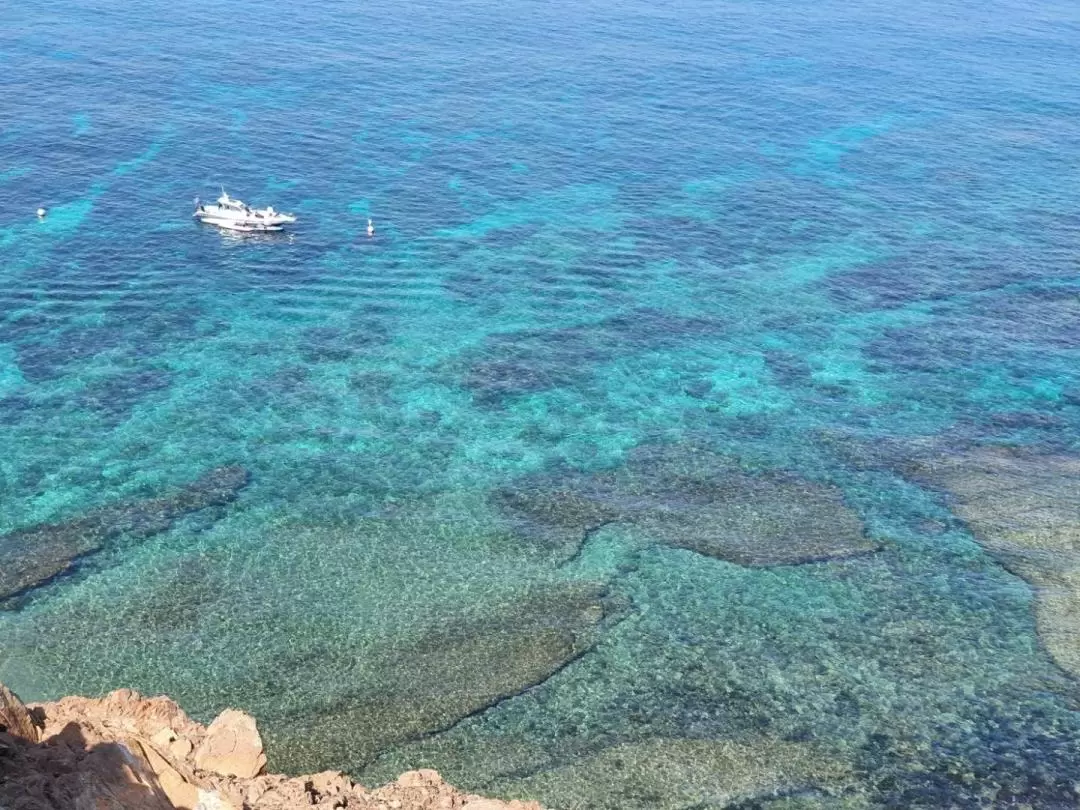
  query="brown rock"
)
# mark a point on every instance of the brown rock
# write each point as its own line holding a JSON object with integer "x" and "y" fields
{"x": 170, "y": 742}
{"x": 180, "y": 791}
{"x": 126, "y": 752}
{"x": 67, "y": 772}
{"x": 329, "y": 789}
{"x": 426, "y": 790}
{"x": 123, "y": 712}
{"x": 232, "y": 746}
{"x": 421, "y": 778}
{"x": 111, "y": 778}
{"x": 14, "y": 717}
{"x": 330, "y": 783}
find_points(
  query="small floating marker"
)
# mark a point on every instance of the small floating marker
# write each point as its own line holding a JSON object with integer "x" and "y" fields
{"x": 41, "y": 213}
{"x": 370, "y": 227}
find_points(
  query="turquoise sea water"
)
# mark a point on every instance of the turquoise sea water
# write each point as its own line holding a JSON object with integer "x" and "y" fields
{"x": 622, "y": 247}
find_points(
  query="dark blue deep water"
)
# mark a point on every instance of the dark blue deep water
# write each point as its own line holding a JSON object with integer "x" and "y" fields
{"x": 645, "y": 275}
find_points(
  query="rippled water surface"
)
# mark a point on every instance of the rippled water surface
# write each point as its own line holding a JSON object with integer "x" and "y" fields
{"x": 700, "y": 427}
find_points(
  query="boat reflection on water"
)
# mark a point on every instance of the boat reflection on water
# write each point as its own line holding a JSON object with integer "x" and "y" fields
{"x": 276, "y": 235}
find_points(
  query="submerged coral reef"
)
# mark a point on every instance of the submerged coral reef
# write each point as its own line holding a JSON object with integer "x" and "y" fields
{"x": 1024, "y": 508}
{"x": 687, "y": 629}
{"x": 690, "y": 498}
{"x": 37, "y": 554}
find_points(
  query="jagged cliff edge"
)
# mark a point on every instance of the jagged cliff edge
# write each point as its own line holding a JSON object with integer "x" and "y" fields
{"x": 127, "y": 752}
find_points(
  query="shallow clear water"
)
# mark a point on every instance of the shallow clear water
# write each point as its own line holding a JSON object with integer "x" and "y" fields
{"x": 611, "y": 236}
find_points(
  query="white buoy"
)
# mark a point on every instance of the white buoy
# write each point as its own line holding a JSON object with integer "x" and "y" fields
{"x": 370, "y": 228}
{"x": 41, "y": 213}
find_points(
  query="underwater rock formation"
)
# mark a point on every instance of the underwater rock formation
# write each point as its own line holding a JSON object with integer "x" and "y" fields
{"x": 692, "y": 499}
{"x": 450, "y": 673}
{"x": 115, "y": 396}
{"x": 555, "y": 517}
{"x": 126, "y": 752}
{"x": 515, "y": 364}
{"x": 764, "y": 520}
{"x": 33, "y": 556}
{"x": 667, "y": 774}
{"x": 1024, "y": 508}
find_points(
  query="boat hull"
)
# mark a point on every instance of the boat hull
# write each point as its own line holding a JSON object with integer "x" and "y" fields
{"x": 255, "y": 218}
{"x": 244, "y": 227}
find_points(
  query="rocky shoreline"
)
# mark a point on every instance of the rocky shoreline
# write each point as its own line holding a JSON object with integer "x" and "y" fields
{"x": 127, "y": 752}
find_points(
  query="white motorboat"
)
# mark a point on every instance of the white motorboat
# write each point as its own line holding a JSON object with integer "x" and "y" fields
{"x": 236, "y": 215}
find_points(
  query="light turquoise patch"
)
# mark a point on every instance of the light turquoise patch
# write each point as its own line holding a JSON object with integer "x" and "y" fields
{"x": 65, "y": 218}
{"x": 825, "y": 153}
{"x": 721, "y": 183}
{"x": 128, "y": 166}
{"x": 14, "y": 174}
{"x": 744, "y": 378}
{"x": 844, "y": 367}
{"x": 414, "y": 138}
{"x": 580, "y": 207}
{"x": 704, "y": 199}
{"x": 10, "y": 375}
{"x": 996, "y": 387}
{"x": 831, "y": 258}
